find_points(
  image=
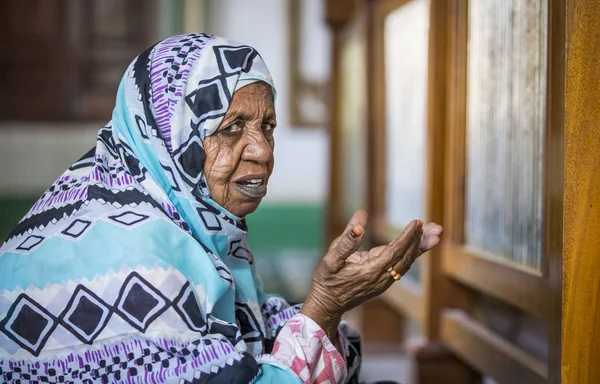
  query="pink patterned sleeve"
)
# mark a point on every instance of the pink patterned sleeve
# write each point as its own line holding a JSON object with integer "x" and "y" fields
{"x": 303, "y": 346}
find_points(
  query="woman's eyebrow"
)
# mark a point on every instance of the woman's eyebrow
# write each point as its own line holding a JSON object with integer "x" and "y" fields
{"x": 248, "y": 116}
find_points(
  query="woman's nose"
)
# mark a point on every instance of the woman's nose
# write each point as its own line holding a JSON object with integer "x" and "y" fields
{"x": 258, "y": 150}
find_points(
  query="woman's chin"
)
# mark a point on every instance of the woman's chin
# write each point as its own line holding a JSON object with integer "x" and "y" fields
{"x": 246, "y": 207}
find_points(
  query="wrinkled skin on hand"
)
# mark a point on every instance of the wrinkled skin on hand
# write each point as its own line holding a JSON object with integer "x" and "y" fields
{"x": 347, "y": 277}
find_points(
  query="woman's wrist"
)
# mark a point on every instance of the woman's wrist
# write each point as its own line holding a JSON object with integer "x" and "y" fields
{"x": 327, "y": 320}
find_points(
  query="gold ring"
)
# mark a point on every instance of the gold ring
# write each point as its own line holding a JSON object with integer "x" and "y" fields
{"x": 394, "y": 274}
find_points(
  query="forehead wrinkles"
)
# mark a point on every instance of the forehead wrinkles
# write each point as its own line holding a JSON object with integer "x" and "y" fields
{"x": 252, "y": 102}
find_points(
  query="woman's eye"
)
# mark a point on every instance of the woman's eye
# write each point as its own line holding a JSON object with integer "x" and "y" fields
{"x": 268, "y": 127}
{"x": 232, "y": 129}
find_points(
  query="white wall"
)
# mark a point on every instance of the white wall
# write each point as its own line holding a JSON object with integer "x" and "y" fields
{"x": 31, "y": 156}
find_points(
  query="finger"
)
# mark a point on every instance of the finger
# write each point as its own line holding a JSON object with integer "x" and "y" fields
{"x": 432, "y": 229}
{"x": 390, "y": 255}
{"x": 430, "y": 237}
{"x": 404, "y": 264}
{"x": 349, "y": 242}
{"x": 429, "y": 242}
{"x": 407, "y": 232}
{"x": 359, "y": 218}
{"x": 414, "y": 237}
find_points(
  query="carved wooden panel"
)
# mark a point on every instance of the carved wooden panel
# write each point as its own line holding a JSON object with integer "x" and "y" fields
{"x": 113, "y": 33}
{"x": 63, "y": 59}
{"x": 34, "y": 62}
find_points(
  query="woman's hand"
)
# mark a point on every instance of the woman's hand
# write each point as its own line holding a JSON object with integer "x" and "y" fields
{"x": 346, "y": 277}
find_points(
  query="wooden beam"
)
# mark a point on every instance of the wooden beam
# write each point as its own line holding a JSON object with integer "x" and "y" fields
{"x": 554, "y": 168}
{"x": 376, "y": 113}
{"x": 338, "y": 12}
{"x": 456, "y": 120}
{"x": 515, "y": 286}
{"x": 488, "y": 352}
{"x": 434, "y": 284}
{"x": 581, "y": 216}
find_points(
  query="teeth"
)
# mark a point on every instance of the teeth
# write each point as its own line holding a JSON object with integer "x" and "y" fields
{"x": 253, "y": 182}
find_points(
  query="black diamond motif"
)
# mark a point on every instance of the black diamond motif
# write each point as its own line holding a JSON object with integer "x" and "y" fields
{"x": 239, "y": 58}
{"x": 205, "y": 99}
{"x": 232, "y": 60}
{"x": 192, "y": 159}
{"x": 248, "y": 324}
{"x": 188, "y": 308}
{"x": 76, "y": 228}
{"x": 139, "y": 303}
{"x": 210, "y": 220}
{"x": 128, "y": 218}
{"x": 30, "y": 243}
{"x": 85, "y": 315}
{"x": 28, "y": 324}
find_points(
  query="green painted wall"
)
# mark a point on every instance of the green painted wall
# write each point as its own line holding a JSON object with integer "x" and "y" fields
{"x": 294, "y": 226}
{"x": 272, "y": 227}
{"x": 12, "y": 209}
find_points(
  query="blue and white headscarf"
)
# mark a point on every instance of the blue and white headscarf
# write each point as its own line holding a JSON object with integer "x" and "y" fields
{"x": 125, "y": 269}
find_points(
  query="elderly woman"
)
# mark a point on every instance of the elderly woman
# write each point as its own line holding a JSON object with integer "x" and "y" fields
{"x": 133, "y": 266}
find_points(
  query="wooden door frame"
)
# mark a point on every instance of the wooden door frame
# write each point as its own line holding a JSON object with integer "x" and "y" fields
{"x": 555, "y": 182}
{"x": 535, "y": 293}
{"x": 580, "y": 347}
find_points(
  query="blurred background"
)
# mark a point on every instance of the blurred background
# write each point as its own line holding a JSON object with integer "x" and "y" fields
{"x": 425, "y": 109}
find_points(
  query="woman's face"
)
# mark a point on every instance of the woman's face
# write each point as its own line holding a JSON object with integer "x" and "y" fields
{"x": 239, "y": 155}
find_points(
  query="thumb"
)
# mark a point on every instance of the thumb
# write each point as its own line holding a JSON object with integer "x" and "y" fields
{"x": 347, "y": 244}
{"x": 359, "y": 218}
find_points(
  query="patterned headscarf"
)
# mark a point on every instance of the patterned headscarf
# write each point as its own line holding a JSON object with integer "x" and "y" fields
{"x": 133, "y": 222}
{"x": 150, "y": 157}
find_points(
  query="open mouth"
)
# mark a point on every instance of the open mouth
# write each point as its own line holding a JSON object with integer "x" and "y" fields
{"x": 254, "y": 188}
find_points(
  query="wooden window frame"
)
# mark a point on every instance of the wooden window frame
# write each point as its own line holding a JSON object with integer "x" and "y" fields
{"x": 298, "y": 84}
{"x": 536, "y": 293}
{"x": 420, "y": 300}
{"x": 520, "y": 287}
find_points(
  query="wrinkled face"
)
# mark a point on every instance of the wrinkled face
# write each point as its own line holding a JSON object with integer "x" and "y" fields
{"x": 239, "y": 155}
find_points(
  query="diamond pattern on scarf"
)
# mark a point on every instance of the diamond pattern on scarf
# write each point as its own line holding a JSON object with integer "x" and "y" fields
{"x": 28, "y": 324}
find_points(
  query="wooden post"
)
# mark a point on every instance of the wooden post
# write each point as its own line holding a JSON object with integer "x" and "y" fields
{"x": 581, "y": 223}
{"x": 337, "y": 14}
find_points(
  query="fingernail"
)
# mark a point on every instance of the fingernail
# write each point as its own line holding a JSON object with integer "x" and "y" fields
{"x": 356, "y": 232}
